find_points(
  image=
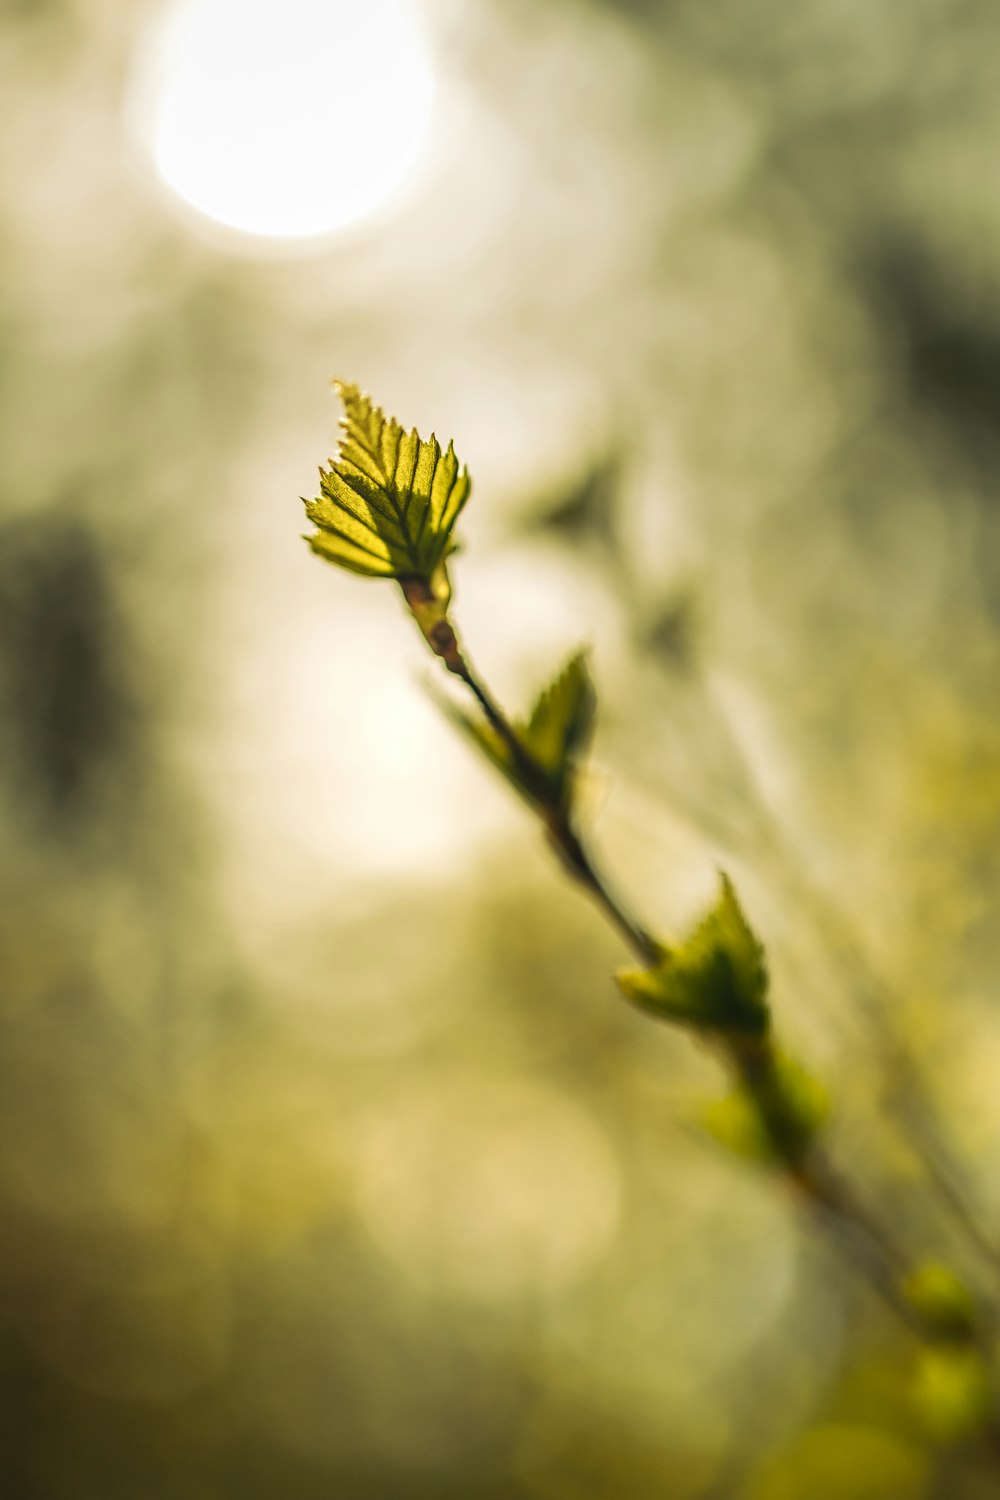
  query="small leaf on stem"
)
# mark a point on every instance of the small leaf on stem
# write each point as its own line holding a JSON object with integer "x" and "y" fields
{"x": 552, "y": 738}
{"x": 952, "y": 1392}
{"x": 776, "y": 1120}
{"x": 715, "y": 981}
{"x": 941, "y": 1300}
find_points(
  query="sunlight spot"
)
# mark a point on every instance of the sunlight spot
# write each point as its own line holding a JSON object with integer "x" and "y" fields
{"x": 286, "y": 118}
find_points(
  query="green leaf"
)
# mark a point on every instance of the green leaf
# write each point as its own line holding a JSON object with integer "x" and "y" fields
{"x": 776, "y": 1120}
{"x": 553, "y": 737}
{"x": 561, "y": 721}
{"x": 953, "y": 1392}
{"x": 941, "y": 1301}
{"x": 716, "y": 980}
{"x": 389, "y": 500}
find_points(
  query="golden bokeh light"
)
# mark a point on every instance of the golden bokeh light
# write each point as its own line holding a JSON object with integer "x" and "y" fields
{"x": 287, "y": 119}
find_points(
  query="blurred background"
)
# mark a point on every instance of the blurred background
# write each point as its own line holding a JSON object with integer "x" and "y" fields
{"x": 331, "y": 1164}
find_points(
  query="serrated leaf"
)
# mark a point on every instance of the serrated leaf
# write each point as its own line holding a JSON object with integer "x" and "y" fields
{"x": 716, "y": 980}
{"x": 389, "y": 500}
{"x": 560, "y": 723}
{"x": 553, "y": 737}
{"x": 776, "y": 1120}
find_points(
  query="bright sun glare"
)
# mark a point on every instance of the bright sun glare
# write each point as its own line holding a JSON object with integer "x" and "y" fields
{"x": 287, "y": 118}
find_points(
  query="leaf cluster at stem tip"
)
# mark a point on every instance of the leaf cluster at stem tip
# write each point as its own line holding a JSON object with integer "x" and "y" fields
{"x": 389, "y": 500}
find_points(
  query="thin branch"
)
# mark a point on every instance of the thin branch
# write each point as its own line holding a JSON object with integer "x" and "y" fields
{"x": 813, "y": 1179}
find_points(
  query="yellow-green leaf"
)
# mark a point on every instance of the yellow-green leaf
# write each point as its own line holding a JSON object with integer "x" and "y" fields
{"x": 552, "y": 738}
{"x": 389, "y": 500}
{"x": 716, "y": 980}
{"x": 778, "y": 1119}
{"x": 941, "y": 1300}
{"x": 953, "y": 1392}
{"x": 561, "y": 721}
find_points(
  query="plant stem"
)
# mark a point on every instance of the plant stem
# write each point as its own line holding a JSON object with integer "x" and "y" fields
{"x": 754, "y": 1064}
{"x": 579, "y": 863}
{"x": 754, "y": 1061}
{"x": 565, "y": 839}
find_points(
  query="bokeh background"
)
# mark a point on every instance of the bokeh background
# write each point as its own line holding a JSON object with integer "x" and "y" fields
{"x": 331, "y": 1164}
